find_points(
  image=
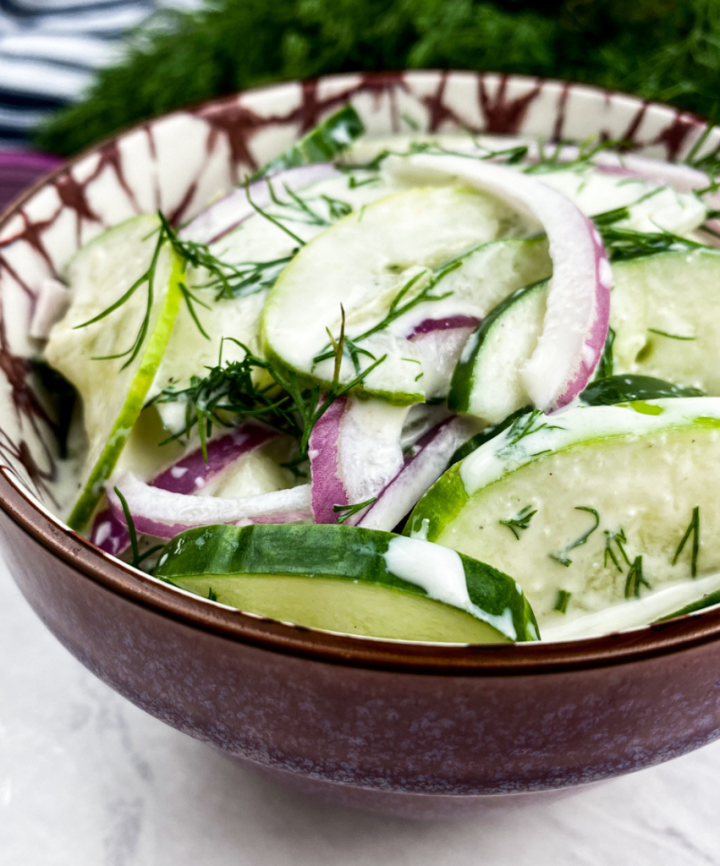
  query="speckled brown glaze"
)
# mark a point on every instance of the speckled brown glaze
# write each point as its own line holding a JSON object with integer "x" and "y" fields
{"x": 405, "y": 728}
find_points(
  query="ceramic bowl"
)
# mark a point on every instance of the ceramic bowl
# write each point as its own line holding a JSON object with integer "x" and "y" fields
{"x": 404, "y": 728}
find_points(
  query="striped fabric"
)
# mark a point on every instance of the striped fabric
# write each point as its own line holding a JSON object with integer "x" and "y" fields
{"x": 50, "y": 49}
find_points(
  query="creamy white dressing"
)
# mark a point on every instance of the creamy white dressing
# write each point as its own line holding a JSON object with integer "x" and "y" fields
{"x": 440, "y": 572}
{"x": 635, "y": 613}
{"x": 564, "y": 429}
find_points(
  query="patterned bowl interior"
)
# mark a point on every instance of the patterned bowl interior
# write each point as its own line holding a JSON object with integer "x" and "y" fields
{"x": 179, "y": 162}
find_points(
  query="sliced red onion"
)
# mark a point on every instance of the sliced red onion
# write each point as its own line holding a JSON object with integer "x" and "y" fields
{"x": 683, "y": 178}
{"x": 428, "y": 460}
{"x": 109, "y": 534}
{"x": 578, "y": 306}
{"x": 51, "y": 305}
{"x": 327, "y": 486}
{"x": 439, "y": 344}
{"x": 232, "y": 210}
{"x": 354, "y": 452}
{"x": 190, "y": 474}
{"x": 163, "y": 514}
{"x": 447, "y": 323}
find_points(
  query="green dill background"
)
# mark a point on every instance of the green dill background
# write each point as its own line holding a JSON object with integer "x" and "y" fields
{"x": 661, "y": 49}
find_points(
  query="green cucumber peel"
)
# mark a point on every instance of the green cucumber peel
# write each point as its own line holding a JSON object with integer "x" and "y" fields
{"x": 344, "y": 553}
{"x": 629, "y": 388}
{"x": 463, "y": 380}
{"x": 324, "y": 143}
{"x": 701, "y": 604}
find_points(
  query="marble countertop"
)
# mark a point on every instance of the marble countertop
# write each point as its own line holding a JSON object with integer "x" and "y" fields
{"x": 86, "y": 779}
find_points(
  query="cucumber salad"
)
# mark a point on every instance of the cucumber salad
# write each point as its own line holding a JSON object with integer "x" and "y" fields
{"x": 447, "y": 389}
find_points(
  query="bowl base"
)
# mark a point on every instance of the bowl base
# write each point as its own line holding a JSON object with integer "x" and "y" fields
{"x": 400, "y": 804}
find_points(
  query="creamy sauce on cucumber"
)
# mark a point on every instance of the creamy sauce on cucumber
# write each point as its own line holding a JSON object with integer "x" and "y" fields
{"x": 440, "y": 572}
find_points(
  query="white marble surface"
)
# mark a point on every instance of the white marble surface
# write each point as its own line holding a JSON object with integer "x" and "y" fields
{"x": 86, "y": 779}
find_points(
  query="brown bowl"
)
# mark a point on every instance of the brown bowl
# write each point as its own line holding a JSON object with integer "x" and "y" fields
{"x": 413, "y": 729}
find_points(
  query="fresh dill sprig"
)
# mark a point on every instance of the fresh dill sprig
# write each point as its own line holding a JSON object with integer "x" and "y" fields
{"x": 137, "y": 557}
{"x": 310, "y": 403}
{"x": 606, "y": 362}
{"x": 228, "y": 394}
{"x": 344, "y": 512}
{"x": 619, "y": 540}
{"x": 230, "y": 281}
{"x": 636, "y": 579}
{"x": 247, "y": 278}
{"x": 624, "y": 244}
{"x": 663, "y": 51}
{"x": 670, "y": 336}
{"x": 563, "y": 598}
{"x": 522, "y": 427}
{"x": 561, "y": 556}
{"x": 146, "y": 279}
{"x": 694, "y": 530}
{"x": 520, "y": 521}
{"x": 400, "y": 305}
{"x": 269, "y": 217}
{"x": 550, "y": 155}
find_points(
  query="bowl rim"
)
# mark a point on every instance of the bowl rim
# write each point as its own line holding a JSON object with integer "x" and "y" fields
{"x": 66, "y": 546}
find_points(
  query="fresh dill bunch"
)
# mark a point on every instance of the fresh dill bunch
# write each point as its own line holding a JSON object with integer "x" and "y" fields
{"x": 230, "y": 393}
{"x": 254, "y": 388}
{"x": 660, "y": 49}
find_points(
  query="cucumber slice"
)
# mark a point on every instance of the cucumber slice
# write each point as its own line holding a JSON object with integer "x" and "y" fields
{"x": 650, "y": 205}
{"x": 260, "y": 250}
{"x": 550, "y": 495}
{"x": 689, "y": 596}
{"x": 113, "y": 392}
{"x": 374, "y": 263}
{"x": 327, "y": 141}
{"x": 486, "y": 383}
{"x": 350, "y": 580}
{"x": 630, "y": 387}
{"x": 659, "y": 313}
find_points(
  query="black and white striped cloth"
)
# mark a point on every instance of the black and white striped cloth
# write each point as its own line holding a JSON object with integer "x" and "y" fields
{"x": 50, "y": 50}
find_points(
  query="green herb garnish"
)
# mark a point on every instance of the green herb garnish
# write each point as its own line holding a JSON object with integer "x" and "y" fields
{"x": 520, "y": 521}
{"x": 561, "y": 556}
{"x": 606, "y": 362}
{"x": 323, "y": 144}
{"x": 401, "y": 304}
{"x": 137, "y": 557}
{"x": 522, "y": 427}
{"x": 563, "y": 597}
{"x": 635, "y": 579}
{"x": 344, "y": 512}
{"x": 671, "y": 336}
{"x": 619, "y": 540}
{"x": 146, "y": 279}
{"x": 230, "y": 281}
{"x": 694, "y": 530}
{"x": 623, "y": 244}
{"x": 229, "y": 394}
{"x": 662, "y": 51}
